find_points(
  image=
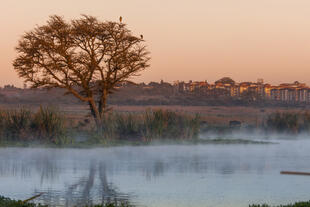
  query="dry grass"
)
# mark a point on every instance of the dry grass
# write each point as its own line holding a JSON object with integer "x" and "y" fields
{"x": 215, "y": 115}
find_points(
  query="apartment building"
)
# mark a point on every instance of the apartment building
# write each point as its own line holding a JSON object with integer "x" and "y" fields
{"x": 286, "y": 92}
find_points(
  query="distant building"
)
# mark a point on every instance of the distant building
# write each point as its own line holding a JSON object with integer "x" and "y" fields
{"x": 295, "y": 92}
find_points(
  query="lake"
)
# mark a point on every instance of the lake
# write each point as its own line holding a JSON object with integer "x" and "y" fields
{"x": 217, "y": 175}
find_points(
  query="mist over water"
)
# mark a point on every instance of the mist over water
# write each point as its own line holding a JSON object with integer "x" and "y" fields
{"x": 161, "y": 175}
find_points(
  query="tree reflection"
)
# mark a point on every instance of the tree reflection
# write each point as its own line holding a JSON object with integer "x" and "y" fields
{"x": 93, "y": 188}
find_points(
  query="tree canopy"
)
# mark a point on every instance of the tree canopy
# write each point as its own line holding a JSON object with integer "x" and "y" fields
{"x": 85, "y": 56}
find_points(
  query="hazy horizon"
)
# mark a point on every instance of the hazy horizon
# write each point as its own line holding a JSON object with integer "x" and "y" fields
{"x": 196, "y": 40}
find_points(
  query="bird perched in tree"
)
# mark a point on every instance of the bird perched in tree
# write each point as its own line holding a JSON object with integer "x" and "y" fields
{"x": 120, "y": 19}
{"x": 141, "y": 36}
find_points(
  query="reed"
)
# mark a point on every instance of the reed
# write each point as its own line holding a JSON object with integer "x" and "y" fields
{"x": 169, "y": 124}
{"x": 49, "y": 124}
{"x": 16, "y": 124}
{"x": 288, "y": 122}
{"x": 149, "y": 125}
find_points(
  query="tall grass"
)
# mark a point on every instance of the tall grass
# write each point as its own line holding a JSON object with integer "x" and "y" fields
{"x": 16, "y": 123}
{"x": 47, "y": 124}
{"x": 152, "y": 124}
{"x": 169, "y": 124}
{"x": 288, "y": 122}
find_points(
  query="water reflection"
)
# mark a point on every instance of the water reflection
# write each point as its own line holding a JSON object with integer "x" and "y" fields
{"x": 90, "y": 189}
{"x": 156, "y": 175}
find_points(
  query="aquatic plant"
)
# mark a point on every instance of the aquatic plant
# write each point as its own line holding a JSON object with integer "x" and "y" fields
{"x": 49, "y": 124}
{"x": 152, "y": 124}
{"x": 169, "y": 124}
{"x": 283, "y": 122}
{"x": 288, "y": 122}
{"x": 16, "y": 123}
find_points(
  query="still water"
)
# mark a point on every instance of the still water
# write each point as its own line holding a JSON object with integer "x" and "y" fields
{"x": 162, "y": 176}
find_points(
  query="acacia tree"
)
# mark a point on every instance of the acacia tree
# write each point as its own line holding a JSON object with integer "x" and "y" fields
{"x": 87, "y": 57}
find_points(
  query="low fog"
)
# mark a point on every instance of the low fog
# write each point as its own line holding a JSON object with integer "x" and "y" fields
{"x": 84, "y": 176}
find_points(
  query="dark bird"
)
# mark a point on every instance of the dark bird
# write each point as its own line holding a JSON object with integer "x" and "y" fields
{"x": 120, "y": 19}
{"x": 141, "y": 36}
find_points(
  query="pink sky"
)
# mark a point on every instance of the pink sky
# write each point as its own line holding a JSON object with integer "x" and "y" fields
{"x": 188, "y": 40}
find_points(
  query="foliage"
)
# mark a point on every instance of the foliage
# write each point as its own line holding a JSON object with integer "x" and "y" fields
{"x": 85, "y": 56}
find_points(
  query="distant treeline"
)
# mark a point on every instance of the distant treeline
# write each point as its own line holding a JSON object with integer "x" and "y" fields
{"x": 137, "y": 94}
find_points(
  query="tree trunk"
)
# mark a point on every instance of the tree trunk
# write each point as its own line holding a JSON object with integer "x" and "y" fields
{"x": 95, "y": 113}
{"x": 102, "y": 105}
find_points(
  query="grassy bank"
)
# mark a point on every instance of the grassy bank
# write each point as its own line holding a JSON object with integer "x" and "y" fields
{"x": 297, "y": 204}
{"x": 48, "y": 126}
{"x": 7, "y": 202}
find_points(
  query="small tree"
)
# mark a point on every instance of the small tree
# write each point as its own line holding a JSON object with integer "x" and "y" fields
{"x": 85, "y": 56}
